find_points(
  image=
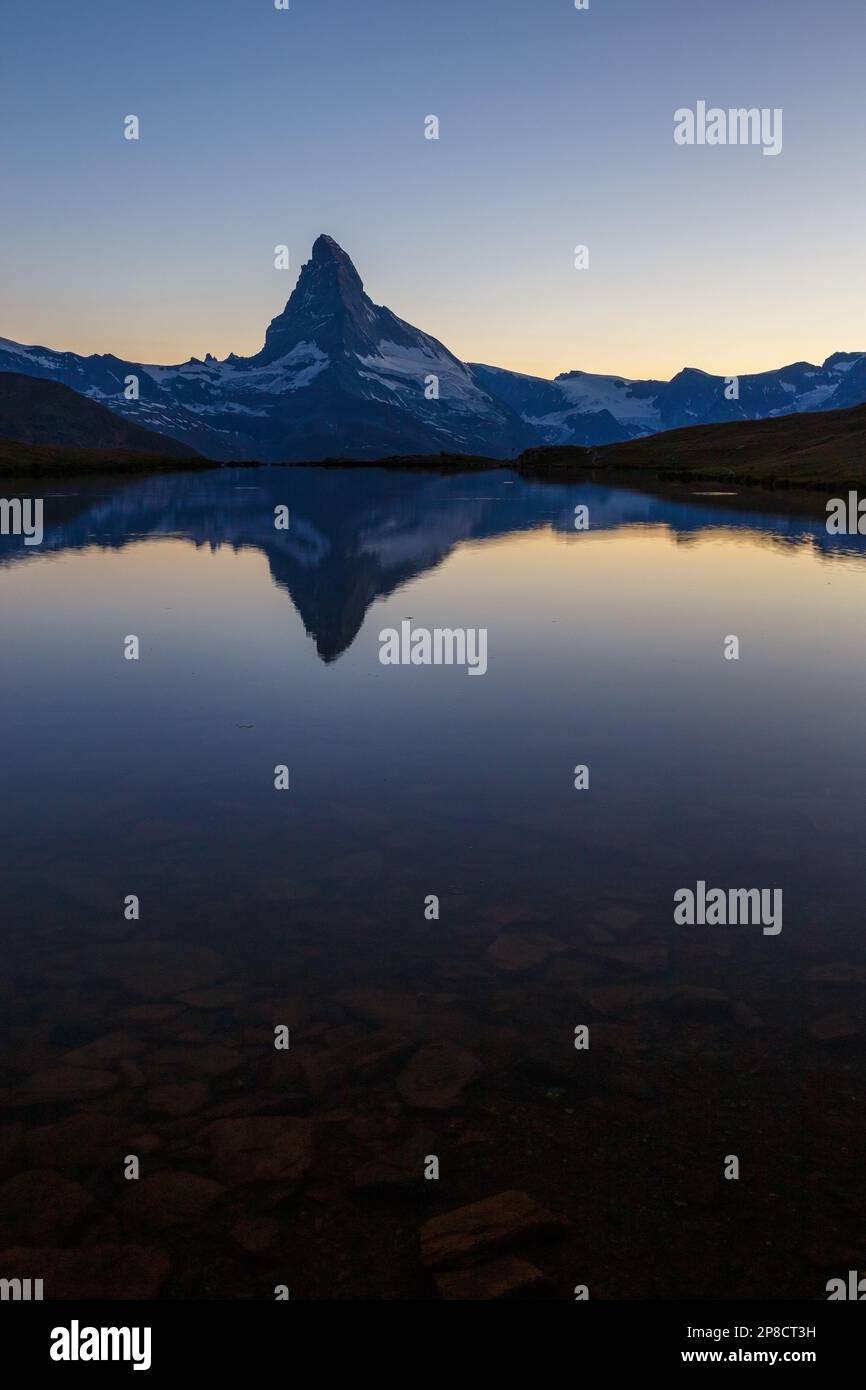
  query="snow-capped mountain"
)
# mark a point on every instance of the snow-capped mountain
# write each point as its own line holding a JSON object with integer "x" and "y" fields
{"x": 581, "y": 408}
{"x": 339, "y": 376}
{"x": 576, "y": 408}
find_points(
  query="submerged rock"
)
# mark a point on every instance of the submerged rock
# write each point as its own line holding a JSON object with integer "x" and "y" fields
{"x": 177, "y": 1098}
{"x": 255, "y": 1234}
{"x": 616, "y": 1001}
{"x": 568, "y": 972}
{"x": 400, "y": 1167}
{"x": 382, "y": 1173}
{"x": 260, "y": 1148}
{"x": 498, "y": 1279}
{"x": 155, "y": 969}
{"x": 437, "y": 1075}
{"x": 367, "y": 1057}
{"x": 618, "y": 919}
{"x": 63, "y": 1085}
{"x": 207, "y": 1059}
{"x": 86, "y": 1141}
{"x": 169, "y": 1198}
{"x": 835, "y": 1028}
{"x": 468, "y": 1233}
{"x": 110, "y": 1048}
{"x": 514, "y": 951}
{"x": 150, "y": 1013}
{"x": 598, "y": 936}
{"x": 646, "y": 960}
{"x": 219, "y": 997}
{"x": 39, "y": 1204}
{"x": 697, "y": 1001}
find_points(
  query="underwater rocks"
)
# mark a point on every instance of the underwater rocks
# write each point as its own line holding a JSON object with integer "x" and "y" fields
{"x": 110, "y": 1048}
{"x": 645, "y": 960}
{"x": 260, "y": 1148}
{"x": 209, "y": 1061}
{"x": 255, "y": 1234}
{"x": 499, "y": 1279}
{"x": 169, "y": 1198}
{"x": 62, "y": 1086}
{"x": 436, "y": 1077}
{"x": 39, "y": 1204}
{"x": 363, "y": 1059}
{"x": 836, "y": 1027}
{"x": 156, "y": 969}
{"x": 86, "y": 1141}
{"x": 471, "y": 1232}
{"x": 177, "y": 1098}
{"x": 519, "y": 953}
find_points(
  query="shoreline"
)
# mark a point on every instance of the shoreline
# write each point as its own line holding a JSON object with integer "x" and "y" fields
{"x": 782, "y": 498}
{"x": 786, "y": 463}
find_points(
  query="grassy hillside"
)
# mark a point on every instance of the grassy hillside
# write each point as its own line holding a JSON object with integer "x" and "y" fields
{"x": 793, "y": 451}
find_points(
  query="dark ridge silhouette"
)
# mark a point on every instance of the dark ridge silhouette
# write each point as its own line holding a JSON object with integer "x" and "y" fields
{"x": 48, "y": 414}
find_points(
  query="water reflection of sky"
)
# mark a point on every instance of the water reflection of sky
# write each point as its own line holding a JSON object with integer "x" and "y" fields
{"x": 604, "y": 647}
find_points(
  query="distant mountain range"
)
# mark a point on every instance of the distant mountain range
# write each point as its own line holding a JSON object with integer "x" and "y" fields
{"x": 341, "y": 377}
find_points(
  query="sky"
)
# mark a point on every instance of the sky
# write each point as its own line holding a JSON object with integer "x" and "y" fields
{"x": 262, "y": 127}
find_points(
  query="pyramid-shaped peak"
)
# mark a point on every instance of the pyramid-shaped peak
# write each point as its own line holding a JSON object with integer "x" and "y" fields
{"x": 325, "y": 248}
{"x": 327, "y": 307}
{"x": 330, "y": 264}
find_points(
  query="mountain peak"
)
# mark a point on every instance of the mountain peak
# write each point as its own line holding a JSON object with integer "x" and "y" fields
{"x": 325, "y": 248}
{"x": 330, "y": 264}
{"x": 326, "y": 307}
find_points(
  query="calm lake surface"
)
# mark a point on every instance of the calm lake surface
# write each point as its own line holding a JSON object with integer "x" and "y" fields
{"x": 306, "y": 908}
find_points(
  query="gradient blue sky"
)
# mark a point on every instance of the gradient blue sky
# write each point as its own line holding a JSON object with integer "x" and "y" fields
{"x": 260, "y": 127}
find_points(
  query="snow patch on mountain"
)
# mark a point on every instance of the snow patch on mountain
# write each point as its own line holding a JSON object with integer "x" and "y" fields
{"x": 589, "y": 392}
{"x": 400, "y": 369}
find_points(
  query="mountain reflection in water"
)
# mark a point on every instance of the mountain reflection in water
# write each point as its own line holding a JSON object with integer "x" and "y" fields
{"x": 413, "y": 1034}
{"x": 359, "y": 534}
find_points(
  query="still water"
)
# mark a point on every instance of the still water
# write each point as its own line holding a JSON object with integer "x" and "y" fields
{"x": 416, "y": 1035}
